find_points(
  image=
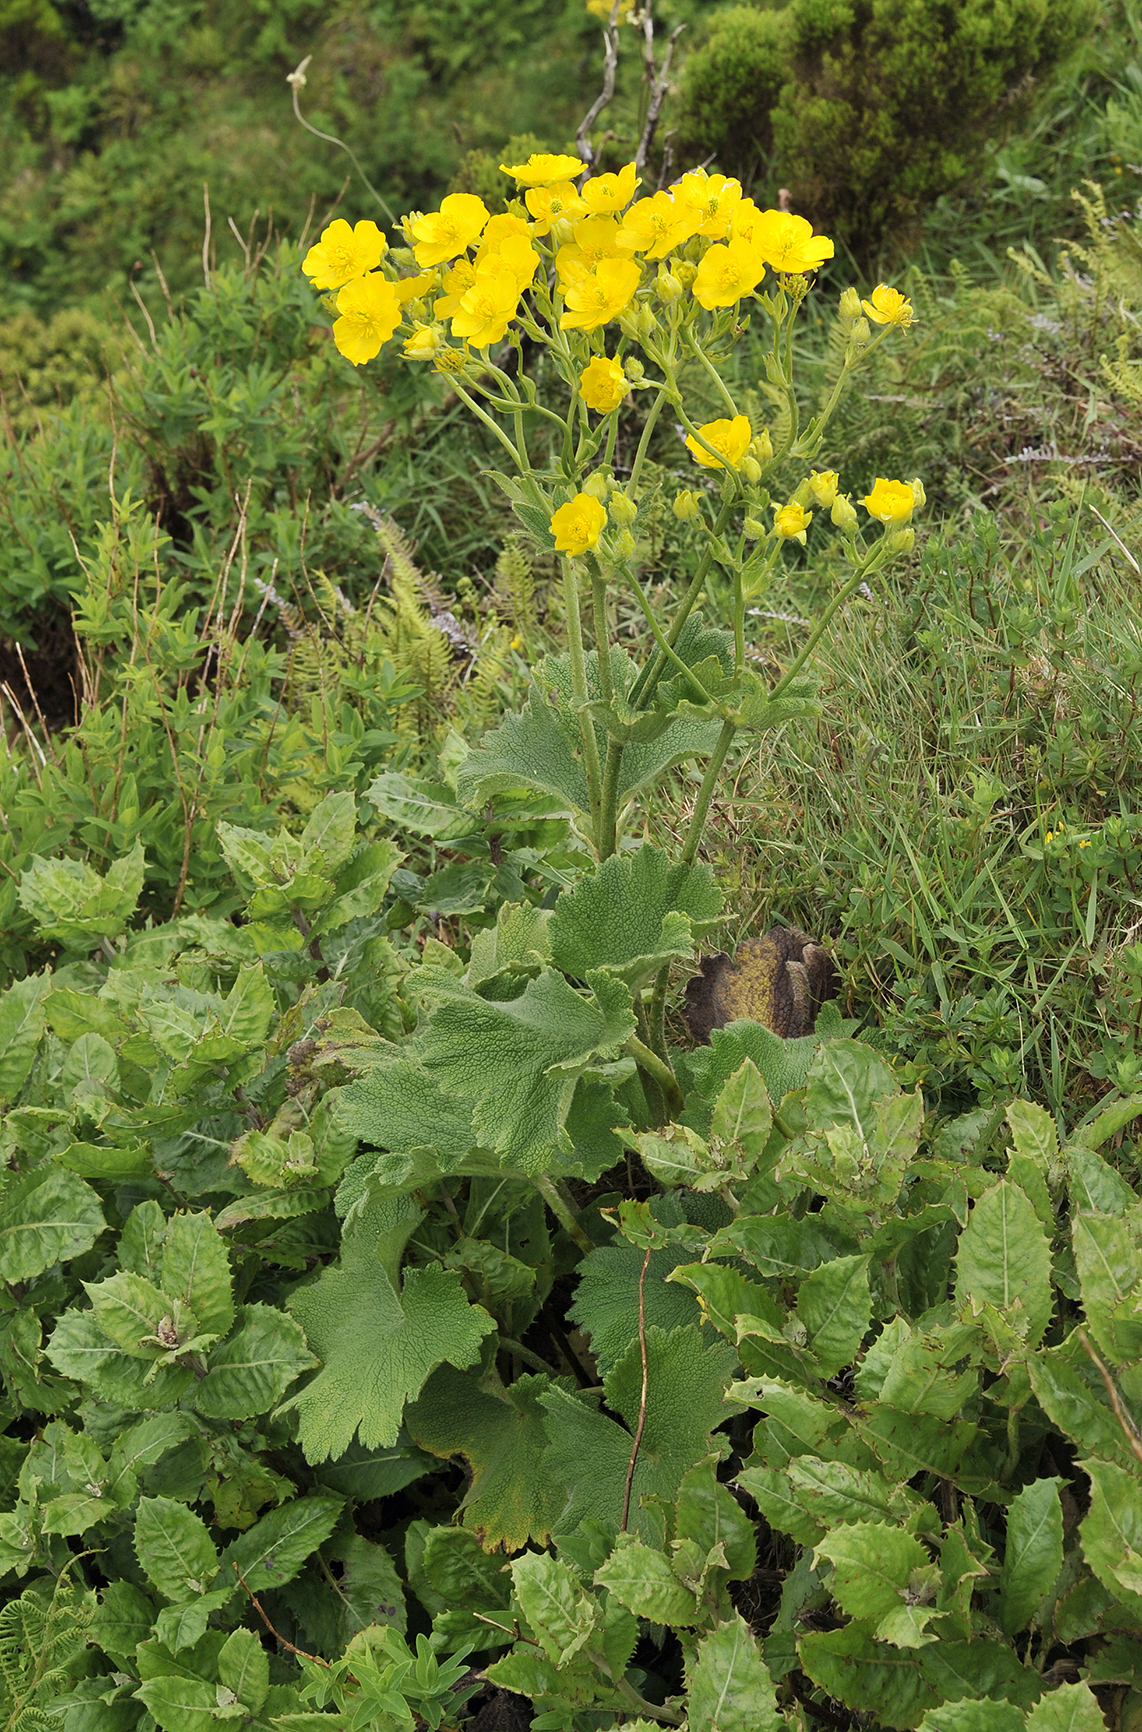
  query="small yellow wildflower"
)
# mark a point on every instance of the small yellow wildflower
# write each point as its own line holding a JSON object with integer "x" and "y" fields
{"x": 487, "y": 308}
{"x": 514, "y": 254}
{"x": 595, "y": 238}
{"x": 425, "y": 343}
{"x": 726, "y": 273}
{"x": 890, "y": 501}
{"x": 552, "y": 204}
{"x": 500, "y": 229}
{"x": 730, "y": 438}
{"x": 517, "y": 642}
{"x": 444, "y": 233}
{"x": 712, "y": 199}
{"x": 608, "y": 194}
{"x": 414, "y": 288}
{"x": 787, "y": 242}
{"x": 456, "y": 284}
{"x": 603, "y": 8}
{"x": 655, "y": 226}
{"x": 370, "y": 312}
{"x": 791, "y": 521}
{"x": 823, "y": 487}
{"x": 578, "y": 525}
{"x": 1085, "y": 842}
{"x": 599, "y": 295}
{"x": 541, "y": 170}
{"x": 888, "y": 307}
{"x": 344, "y": 253}
{"x": 603, "y": 385}
{"x": 1050, "y": 836}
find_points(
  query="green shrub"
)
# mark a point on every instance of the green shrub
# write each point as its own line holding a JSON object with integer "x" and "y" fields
{"x": 729, "y": 89}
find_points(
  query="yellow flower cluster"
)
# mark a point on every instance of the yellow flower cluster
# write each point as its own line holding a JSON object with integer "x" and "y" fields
{"x": 585, "y": 250}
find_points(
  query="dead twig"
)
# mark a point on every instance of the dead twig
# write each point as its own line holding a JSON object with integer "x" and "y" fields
{"x": 637, "y": 1444}
{"x": 1129, "y": 1429}
{"x": 288, "y": 1646}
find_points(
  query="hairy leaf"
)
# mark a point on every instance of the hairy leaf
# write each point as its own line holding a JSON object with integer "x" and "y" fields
{"x": 606, "y": 1298}
{"x": 1111, "y": 1534}
{"x": 632, "y": 916}
{"x": 252, "y": 1369}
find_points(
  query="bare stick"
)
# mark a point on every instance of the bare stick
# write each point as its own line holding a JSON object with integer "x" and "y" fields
{"x": 657, "y": 82}
{"x": 637, "y": 1444}
{"x": 288, "y": 1646}
{"x": 1129, "y": 1429}
{"x": 610, "y": 64}
{"x": 206, "y": 233}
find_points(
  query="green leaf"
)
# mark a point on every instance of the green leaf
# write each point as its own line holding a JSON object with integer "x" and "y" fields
{"x": 835, "y": 1305}
{"x": 1111, "y": 1534}
{"x": 173, "y": 1548}
{"x": 512, "y": 1498}
{"x": 106, "y": 1162}
{"x": 606, "y": 1298}
{"x": 251, "y": 1370}
{"x": 1071, "y": 1393}
{"x": 709, "y": 1517}
{"x": 632, "y": 916}
{"x": 517, "y": 944}
{"x": 911, "y": 1443}
{"x": 590, "y": 1453}
{"x": 398, "y": 1106}
{"x": 180, "y": 1704}
{"x": 552, "y": 1599}
{"x": 412, "y": 804}
{"x": 978, "y": 1668}
{"x": 378, "y": 1347}
{"x": 274, "y": 1550}
{"x": 742, "y": 1112}
{"x": 129, "y": 1309}
{"x": 730, "y": 1687}
{"x": 196, "y": 1271}
{"x": 518, "y": 1062}
{"x": 1034, "y": 1553}
{"x": 784, "y": 1064}
{"x": 866, "y": 1675}
{"x": 968, "y": 1716}
{"x": 1004, "y": 1259}
{"x": 72, "y": 903}
{"x": 47, "y": 1215}
{"x": 122, "y": 1620}
{"x": 878, "y": 1572}
{"x": 330, "y": 833}
{"x": 862, "y": 1131}
{"x": 244, "y": 1669}
{"x": 1033, "y": 1133}
{"x": 1107, "y": 1257}
{"x": 1095, "y": 1187}
{"x": 22, "y": 1018}
{"x": 1069, "y": 1708}
{"x": 249, "y": 1007}
{"x": 642, "y": 1579}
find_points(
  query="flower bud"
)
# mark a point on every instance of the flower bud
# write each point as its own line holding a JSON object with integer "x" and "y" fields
{"x": 562, "y": 232}
{"x": 749, "y": 468}
{"x": 823, "y": 487}
{"x": 843, "y": 514}
{"x": 647, "y": 323}
{"x": 624, "y": 544}
{"x": 791, "y": 521}
{"x": 860, "y": 332}
{"x": 919, "y": 497}
{"x": 666, "y": 286}
{"x": 623, "y": 510}
{"x": 597, "y": 485}
{"x": 634, "y": 369}
{"x": 425, "y": 343}
{"x": 849, "y": 306}
{"x": 403, "y": 256}
{"x": 686, "y": 505}
{"x": 901, "y": 540}
{"x": 753, "y": 530}
{"x": 761, "y": 446}
{"x": 685, "y": 272}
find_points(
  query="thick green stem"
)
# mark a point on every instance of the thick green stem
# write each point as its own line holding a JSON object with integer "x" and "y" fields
{"x": 739, "y": 625}
{"x": 642, "y": 693}
{"x": 659, "y": 1070}
{"x": 563, "y": 1209}
{"x": 821, "y": 628}
{"x": 719, "y": 383}
{"x": 664, "y": 646}
{"x": 706, "y": 792}
{"x": 579, "y": 688}
{"x": 609, "y": 805}
{"x": 488, "y": 422}
{"x": 648, "y": 429}
{"x": 656, "y": 1018}
{"x": 602, "y": 633}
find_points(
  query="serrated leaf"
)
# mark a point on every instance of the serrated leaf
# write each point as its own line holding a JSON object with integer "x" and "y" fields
{"x": 378, "y": 1346}
{"x": 742, "y": 1112}
{"x": 424, "y": 808}
{"x": 642, "y": 1579}
{"x": 273, "y": 1551}
{"x": 1033, "y": 1132}
{"x": 22, "y": 1019}
{"x": 399, "y": 1106}
{"x": 1094, "y": 1186}
{"x": 518, "y": 1062}
{"x": 1033, "y": 1555}
{"x": 1073, "y": 1396}
{"x": 552, "y": 1599}
{"x": 196, "y": 1271}
{"x": 122, "y": 1620}
{"x": 969, "y": 1716}
{"x": 1004, "y": 1259}
{"x": 174, "y": 1549}
{"x": 180, "y": 1704}
{"x": 835, "y": 1305}
{"x": 868, "y": 1676}
{"x": 590, "y": 1453}
{"x": 606, "y": 1297}
{"x": 129, "y": 1309}
{"x": 875, "y": 1565}
{"x": 69, "y": 901}
{"x": 511, "y": 1499}
{"x": 47, "y": 1215}
{"x": 251, "y": 1370}
{"x": 730, "y": 1686}
{"x": 517, "y": 944}
{"x": 1111, "y": 1534}
{"x": 330, "y": 832}
{"x": 632, "y": 916}
{"x": 1069, "y": 1708}
{"x": 244, "y": 1669}
{"x": 1107, "y": 1258}
{"x": 249, "y": 1007}
{"x": 708, "y": 1517}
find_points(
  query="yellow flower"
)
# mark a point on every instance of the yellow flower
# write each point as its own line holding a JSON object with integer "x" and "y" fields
{"x": 370, "y": 312}
{"x": 602, "y": 385}
{"x": 487, "y": 308}
{"x": 514, "y": 254}
{"x": 502, "y": 228}
{"x": 608, "y": 194}
{"x": 599, "y": 295}
{"x": 456, "y": 284}
{"x": 712, "y": 198}
{"x": 890, "y": 501}
{"x": 791, "y": 521}
{"x": 578, "y": 525}
{"x": 655, "y": 226}
{"x": 745, "y": 220}
{"x": 343, "y": 253}
{"x": 888, "y": 307}
{"x": 602, "y": 9}
{"x": 425, "y": 343}
{"x": 726, "y": 273}
{"x": 730, "y": 438}
{"x": 823, "y": 487}
{"x": 552, "y": 204}
{"x": 540, "y": 170}
{"x": 414, "y": 288}
{"x": 595, "y": 238}
{"x": 787, "y": 242}
{"x": 444, "y": 233}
